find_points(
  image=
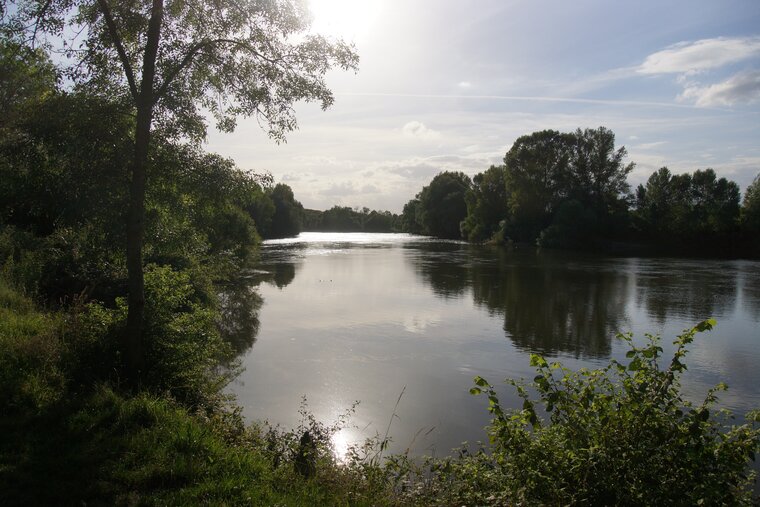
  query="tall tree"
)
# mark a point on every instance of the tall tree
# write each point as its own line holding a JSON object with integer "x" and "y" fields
{"x": 442, "y": 206}
{"x": 169, "y": 60}
{"x": 287, "y": 219}
{"x": 597, "y": 175}
{"x": 487, "y": 204}
{"x": 536, "y": 171}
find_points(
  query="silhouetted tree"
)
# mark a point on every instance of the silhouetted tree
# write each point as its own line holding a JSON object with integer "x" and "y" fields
{"x": 487, "y": 204}
{"x": 442, "y": 206}
{"x": 288, "y": 213}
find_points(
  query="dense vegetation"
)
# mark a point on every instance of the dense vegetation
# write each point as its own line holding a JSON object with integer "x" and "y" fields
{"x": 82, "y": 426}
{"x": 570, "y": 190}
{"x": 345, "y": 219}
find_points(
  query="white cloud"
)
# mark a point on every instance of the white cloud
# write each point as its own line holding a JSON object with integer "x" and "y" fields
{"x": 464, "y": 84}
{"x": 419, "y": 130}
{"x": 701, "y": 55}
{"x": 743, "y": 87}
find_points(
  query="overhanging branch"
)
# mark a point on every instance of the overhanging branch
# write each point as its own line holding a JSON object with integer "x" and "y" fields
{"x": 111, "y": 24}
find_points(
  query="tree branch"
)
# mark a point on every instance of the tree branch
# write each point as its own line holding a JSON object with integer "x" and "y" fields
{"x": 193, "y": 51}
{"x": 111, "y": 24}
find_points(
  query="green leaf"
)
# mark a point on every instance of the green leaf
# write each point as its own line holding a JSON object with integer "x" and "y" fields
{"x": 475, "y": 391}
{"x": 537, "y": 360}
{"x": 705, "y": 325}
{"x": 480, "y": 381}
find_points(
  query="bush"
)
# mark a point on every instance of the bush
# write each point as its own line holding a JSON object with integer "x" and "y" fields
{"x": 622, "y": 434}
{"x": 185, "y": 356}
{"x": 30, "y": 353}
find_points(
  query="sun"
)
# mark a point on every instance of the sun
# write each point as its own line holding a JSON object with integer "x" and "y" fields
{"x": 348, "y": 19}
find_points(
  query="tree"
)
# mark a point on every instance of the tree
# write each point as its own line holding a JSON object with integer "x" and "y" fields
{"x": 442, "y": 206}
{"x": 751, "y": 207}
{"x": 288, "y": 213}
{"x": 597, "y": 176}
{"x": 168, "y": 59}
{"x": 536, "y": 168}
{"x": 487, "y": 204}
{"x": 687, "y": 206}
{"x": 26, "y": 75}
{"x": 546, "y": 169}
{"x": 410, "y": 217}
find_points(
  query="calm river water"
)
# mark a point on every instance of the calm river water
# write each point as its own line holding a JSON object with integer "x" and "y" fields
{"x": 346, "y": 317}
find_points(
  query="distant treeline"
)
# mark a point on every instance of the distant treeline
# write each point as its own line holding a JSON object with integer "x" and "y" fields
{"x": 345, "y": 219}
{"x": 570, "y": 190}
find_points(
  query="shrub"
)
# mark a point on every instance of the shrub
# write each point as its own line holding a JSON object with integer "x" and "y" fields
{"x": 623, "y": 434}
{"x": 184, "y": 354}
{"x": 30, "y": 353}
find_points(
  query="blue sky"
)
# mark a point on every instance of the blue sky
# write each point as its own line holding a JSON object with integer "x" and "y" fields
{"x": 449, "y": 85}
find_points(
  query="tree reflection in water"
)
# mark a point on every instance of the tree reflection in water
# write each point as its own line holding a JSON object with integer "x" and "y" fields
{"x": 239, "y": 305}
{"x": 554, "y": 303}
{"x": 240, "y": 301}
{"x": 689, "y": 289}
{"x": 551, "y": 302}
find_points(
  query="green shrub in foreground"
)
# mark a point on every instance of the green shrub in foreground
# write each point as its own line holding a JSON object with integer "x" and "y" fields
{"x": 185, "y": 356}
{"x": 622, "y": 434}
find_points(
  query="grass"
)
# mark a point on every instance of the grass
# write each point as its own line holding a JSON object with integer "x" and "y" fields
{"x": 145, "y": 450}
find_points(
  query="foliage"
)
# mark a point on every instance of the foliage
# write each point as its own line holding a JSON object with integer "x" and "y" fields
{"x": 236, "y": 58}
{"x": 27, "y": 77}
{"x": 410, "y": 217}
{"x": 547, "y": 178}
{"x": 686, "y": 207}
{"x": 346, "y": 219}
{"x": 623, "y": 434}
{"x": 287, "y": 219}
{"x": 185, "y": 355}
{"x": 535, "y": 167}
{"x": 750, "y": 214}
{"x": 486, "y": 204}
{"x": 31, "y": 373}
{"x": 573, "y": 226}
{"x": 546, "y": 169}
{"x": 72, "y": 142}
{"x": 442, "y": 205}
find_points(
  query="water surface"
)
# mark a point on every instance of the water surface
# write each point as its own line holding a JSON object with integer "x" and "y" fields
{"x": 346, "y": 317}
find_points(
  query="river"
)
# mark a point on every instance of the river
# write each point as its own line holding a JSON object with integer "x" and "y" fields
{"x": 364, "y": 317}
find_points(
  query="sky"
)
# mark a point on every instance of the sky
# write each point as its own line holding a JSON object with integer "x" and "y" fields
{"x": 448, "y": 85}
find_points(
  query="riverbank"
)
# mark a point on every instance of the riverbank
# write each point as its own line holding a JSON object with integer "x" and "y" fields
{"x": 64, "y": 441}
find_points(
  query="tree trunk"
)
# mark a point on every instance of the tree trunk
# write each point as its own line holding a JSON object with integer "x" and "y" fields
{"x": 133, "y": 346}
{"x": 134, "y": 357}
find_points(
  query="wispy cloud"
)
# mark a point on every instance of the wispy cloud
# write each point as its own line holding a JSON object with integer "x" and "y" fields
{"x": 702, "y": 55}
{"x": 743, "y": 87}
{"x": 518, "y": 98}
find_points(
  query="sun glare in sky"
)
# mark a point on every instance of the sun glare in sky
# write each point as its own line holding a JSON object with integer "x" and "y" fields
{"x": 349, "y": 19}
